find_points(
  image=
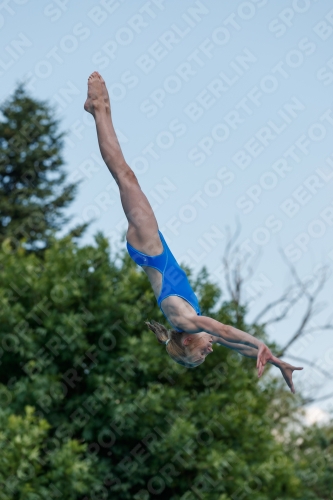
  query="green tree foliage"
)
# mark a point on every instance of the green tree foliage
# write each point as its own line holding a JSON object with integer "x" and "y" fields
{"x": 313, "y": 456}
{"x": 32, "y": 191}
{"x": 74, "y": 347}
{"x": 91, "y": 405}
{"x": 32, "y": 467}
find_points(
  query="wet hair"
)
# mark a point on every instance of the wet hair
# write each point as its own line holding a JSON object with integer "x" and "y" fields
{"x": 174, "y": 347}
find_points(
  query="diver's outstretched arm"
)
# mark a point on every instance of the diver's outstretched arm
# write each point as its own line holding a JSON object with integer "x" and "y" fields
{"x": 229, "y": 334}
{"x": 252, "y": 352}
{"x": 196, "y": 324}
{"x": 235, "y": 336}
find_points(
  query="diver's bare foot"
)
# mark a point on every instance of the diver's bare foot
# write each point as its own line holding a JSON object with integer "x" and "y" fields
{"x": 98, "y": 98}
{"x": 105, "y": 94}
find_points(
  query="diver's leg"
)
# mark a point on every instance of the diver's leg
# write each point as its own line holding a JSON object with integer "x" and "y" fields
{"x": 142, "y": 231}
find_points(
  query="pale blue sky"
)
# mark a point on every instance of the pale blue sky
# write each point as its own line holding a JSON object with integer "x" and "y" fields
{"x": 227, "y": 105}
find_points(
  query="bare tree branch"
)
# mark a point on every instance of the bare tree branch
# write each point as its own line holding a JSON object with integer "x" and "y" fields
{"x": 310, "y": 311}
{"x": 310, "y": 363}
{"x": 327, "y": 326}
{"x": 314, "y": 400}
{"x": 286, "y": 297}
{"x": 239, "y": 268}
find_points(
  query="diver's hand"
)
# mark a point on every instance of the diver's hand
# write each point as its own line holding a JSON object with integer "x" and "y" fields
{"x": 287, "y": 372}
{"x": 264, "y": 355}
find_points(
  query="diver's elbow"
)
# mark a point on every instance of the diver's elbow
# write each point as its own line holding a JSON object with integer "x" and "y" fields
{"x": 188, "y": 324}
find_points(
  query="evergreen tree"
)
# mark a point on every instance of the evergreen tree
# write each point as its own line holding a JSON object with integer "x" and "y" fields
{"x": 32, "y": 190}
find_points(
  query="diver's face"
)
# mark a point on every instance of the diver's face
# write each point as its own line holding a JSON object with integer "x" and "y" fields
{"x": 198, "y": 346}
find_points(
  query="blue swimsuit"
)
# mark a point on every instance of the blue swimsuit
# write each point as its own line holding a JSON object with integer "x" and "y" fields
{"x": 174, "y": 279}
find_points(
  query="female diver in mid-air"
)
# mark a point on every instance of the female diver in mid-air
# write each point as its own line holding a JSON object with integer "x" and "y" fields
{"x": 148, "y": 249}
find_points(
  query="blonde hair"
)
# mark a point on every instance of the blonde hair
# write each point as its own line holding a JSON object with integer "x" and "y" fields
{"x": 172, "y": 341}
